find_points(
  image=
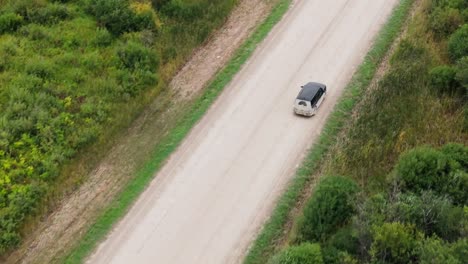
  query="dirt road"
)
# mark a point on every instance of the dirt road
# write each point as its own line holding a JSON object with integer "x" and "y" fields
{"x": 211, "y": 198}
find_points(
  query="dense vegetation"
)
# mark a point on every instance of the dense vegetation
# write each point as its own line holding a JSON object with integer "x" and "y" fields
{"x": 412, "y": 204}
{"x": 422, "y": 216}
{"x": 69, "y": 68}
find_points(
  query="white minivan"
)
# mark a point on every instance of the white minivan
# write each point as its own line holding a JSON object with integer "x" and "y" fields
{"x": 309, "y": 98}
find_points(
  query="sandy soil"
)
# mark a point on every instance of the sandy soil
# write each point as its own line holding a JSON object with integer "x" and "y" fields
{"x": 59, "y": 230}
{"x": 211, "y": 198}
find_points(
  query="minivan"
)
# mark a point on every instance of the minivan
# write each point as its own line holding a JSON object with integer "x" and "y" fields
{"x": 310, "y": 98}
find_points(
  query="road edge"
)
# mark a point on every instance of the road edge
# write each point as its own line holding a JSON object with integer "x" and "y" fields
{"x": 263, "y": 246}
{"x": 122, "y": 203}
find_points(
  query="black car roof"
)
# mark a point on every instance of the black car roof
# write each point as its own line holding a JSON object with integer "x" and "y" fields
{"x": 309, "y": 90}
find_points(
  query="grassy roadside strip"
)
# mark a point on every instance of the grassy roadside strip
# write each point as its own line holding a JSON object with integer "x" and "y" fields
{"x": 263, "y": 247}
{"x": 130, "y": 193}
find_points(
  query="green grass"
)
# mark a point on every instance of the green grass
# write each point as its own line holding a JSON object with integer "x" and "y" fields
{"x": 125, "y": 199}
{"x": 264, "y": 246}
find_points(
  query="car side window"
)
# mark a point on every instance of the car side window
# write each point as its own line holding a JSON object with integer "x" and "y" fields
{"x": 316, "y": 98}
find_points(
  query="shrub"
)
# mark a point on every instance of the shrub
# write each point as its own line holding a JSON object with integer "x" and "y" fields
{"x": 330, "y": 207}
{"x": 25, "y": 7}
{"x": 456, "y": 4}
{"x": 135, "y": 56}
{"x": 444, "y": 21}
{"x": 118, "y": 17}
{"x": 35, "y": 32}
{"x": 465, "y": 118}
{"x": 9, "y": 22}
{"x": 433, "y": 250}
{"x": 443, "y": 78}
{"x": 41, "y": 68}
{"x": 458, "y": 43}
{"x": 457, "y": 152}
{"x": 157, "y": 4}
{"x": 332, "y": 255}
{"x": 103, "y": 38}
{"x": 462, "y": 73}
{"x": 305, "y": 253}
{"x": 183, "y": 9}
{"x": 345, "y": 239}
{"x": 429, "y": 213}
{"x": 423, "y": 168}
{"x": 460, "y": 249}
{"x": 50, "y": 14}
{"x": 395, "y": 243}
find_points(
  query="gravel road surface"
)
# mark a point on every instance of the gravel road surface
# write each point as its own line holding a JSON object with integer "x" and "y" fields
{"x": 211, "y": 198}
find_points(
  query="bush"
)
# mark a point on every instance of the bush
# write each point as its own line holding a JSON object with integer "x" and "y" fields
{"x": 332, "y": 255}
{"x": 50, "y": 14}
{"x": 10, "y": 22}
{"x": 465, "y": 118}
{"x": 305, "y": 253}
{"x": 184, "y": 9}
{"x": 41, "y": 68}
{"x": 443, "y": 78}
{"x": 433, "y": 250}
{"x": 395, "y": 243}
{"x": 330, "y": 207}
{"x": 444, "y": 21}
{"x": 429, "y": 213}
{"x": 459, "y": 4}
{"x": 345, "y": 239}
{"x": 458, "y": 43}
{"x": 424, "y": 168}
{"x": 157, "y": 4}
{"x": 457, "y": 152}
{"x": 118, "y": 17}
{"x": 135, "y": 56}
{"x": 460, "y": 249}
{"x": 103, "y": 38}
{"x": 462, "y": 73}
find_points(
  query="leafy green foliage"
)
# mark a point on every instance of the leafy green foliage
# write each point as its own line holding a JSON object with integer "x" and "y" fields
{"x": 416, "y": 205}
{"x": 460, "y": 248}
{"x": 345, "y": 240}
{"x": 395, "y": 243}
{"x": 9, "y": 22}
{"x": 425, "y": 168}
{"x": 68, "y": 79}
{"x": 403, "y": 219}
{"x": 305, "y": 253}
{"x": 457, "y": 152}
{"x": 135, "y": 56}
{"x": 443, "y": 78}
{"x": 118, "y": 17}
{"x": 331, "y": 206}
{"x": 458, "y": 43}
{"x": 434, "y": 250}
{"x": 445, "y": 21}
{"x": 462, "y": 72}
